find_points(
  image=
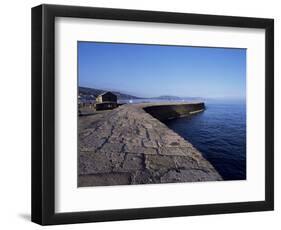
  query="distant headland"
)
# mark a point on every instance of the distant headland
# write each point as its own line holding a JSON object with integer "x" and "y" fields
{"x": 86, "y": 94}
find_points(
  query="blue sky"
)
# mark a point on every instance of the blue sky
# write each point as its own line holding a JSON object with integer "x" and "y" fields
{"x": 155, "y": 70}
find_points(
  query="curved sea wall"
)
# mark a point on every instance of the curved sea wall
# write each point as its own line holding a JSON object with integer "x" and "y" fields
{"x": 127, "y": 145}
{"x": 172, "y": 111}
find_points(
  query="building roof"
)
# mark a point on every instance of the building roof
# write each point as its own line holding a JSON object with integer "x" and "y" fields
{"x": 105, "y": 93}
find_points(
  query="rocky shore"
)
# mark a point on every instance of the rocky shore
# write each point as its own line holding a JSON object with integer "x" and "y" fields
{"x": 130, "y": 145}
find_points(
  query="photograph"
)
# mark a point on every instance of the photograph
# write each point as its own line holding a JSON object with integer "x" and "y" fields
{"x": 151, "y": 114}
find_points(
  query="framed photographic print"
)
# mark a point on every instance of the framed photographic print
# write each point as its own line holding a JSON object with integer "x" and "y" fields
{"x": 142, "y": 114}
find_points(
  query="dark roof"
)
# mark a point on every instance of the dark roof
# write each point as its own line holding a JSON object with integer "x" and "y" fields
{"x": 105, "y": 93}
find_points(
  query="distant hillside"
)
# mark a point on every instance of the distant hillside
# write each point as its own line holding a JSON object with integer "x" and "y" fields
{"x": 167, "y": 97}
{"x": 194, "y": 98}
{"x": 95, "y": 92}
{"x": 175, "y": 98}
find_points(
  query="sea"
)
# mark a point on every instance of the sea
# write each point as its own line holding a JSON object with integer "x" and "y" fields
{"x": 219, "y": 133}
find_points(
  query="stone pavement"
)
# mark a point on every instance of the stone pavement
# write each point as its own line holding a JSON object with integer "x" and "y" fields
{"x": 128, "y": 146}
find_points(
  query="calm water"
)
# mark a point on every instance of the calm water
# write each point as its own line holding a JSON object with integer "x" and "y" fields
{"x": 219, "y": 133}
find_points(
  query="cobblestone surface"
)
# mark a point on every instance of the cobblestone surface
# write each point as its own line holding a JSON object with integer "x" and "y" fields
{"x": 129, "y": 146}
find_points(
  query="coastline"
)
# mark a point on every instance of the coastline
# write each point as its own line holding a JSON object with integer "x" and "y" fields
{"x": 130, "y": 145}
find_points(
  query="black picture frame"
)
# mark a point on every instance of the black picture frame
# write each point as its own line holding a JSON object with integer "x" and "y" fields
{"x": 43, "y": 114}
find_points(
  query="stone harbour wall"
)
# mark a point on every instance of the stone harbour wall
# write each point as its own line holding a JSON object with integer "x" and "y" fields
{"x": 172, "y": 111}
{"x": 127, "y": 145}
